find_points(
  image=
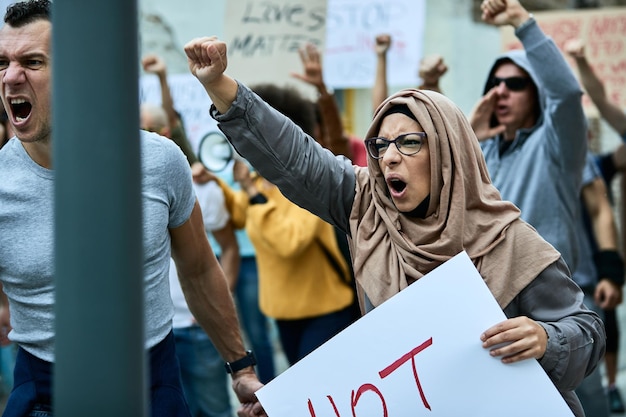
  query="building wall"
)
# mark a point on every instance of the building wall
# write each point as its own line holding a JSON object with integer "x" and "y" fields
{"x": 166, "y": 26}
{"x": 452, "y": 30}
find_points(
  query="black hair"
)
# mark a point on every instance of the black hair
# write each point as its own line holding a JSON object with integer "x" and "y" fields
{"x": 290, "y": 103}
{"x": 399, "y": 108}
{"x": 25, "y": 12}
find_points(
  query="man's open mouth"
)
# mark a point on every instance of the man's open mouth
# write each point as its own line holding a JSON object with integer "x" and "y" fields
{"x": 20, "y": 109}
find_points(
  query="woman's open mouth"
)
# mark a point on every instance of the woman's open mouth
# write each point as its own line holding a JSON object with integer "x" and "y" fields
{"x": 396, "y": 187}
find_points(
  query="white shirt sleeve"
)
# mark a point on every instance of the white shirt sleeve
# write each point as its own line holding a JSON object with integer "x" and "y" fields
{"x": 211, "y": 200}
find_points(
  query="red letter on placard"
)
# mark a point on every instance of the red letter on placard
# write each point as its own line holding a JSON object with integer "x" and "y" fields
{"x": 361, "y": 390}
{"x": 404, "y": 358}
{"x": 332, "y": 402}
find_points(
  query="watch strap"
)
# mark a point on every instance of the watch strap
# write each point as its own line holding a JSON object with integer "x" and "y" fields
{"x": 239, "y": 364}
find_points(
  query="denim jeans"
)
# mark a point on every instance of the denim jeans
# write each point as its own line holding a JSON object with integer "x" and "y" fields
{"x": 303, "y": 336}
{"x": 32, "y": 388}
{"x": 32, "y": 391}
{"x": 205, "y": 382}
{"x": 255, "y": 324}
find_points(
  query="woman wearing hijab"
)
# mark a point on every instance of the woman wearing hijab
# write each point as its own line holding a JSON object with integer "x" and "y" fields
{"x": 424, "y": 197}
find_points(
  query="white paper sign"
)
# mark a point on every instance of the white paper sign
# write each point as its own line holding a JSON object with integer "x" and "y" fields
{"x": 190, "y": 100}
{"x": 351, "y": 29}
{"x": 418, "y": 354}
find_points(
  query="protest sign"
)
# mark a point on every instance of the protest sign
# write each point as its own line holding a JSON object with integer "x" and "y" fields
{"x": 263, "y": 37}
{"x": 419, "y": 353}
{"x": 351, "y": 29}
{"x": 190, "y": 100}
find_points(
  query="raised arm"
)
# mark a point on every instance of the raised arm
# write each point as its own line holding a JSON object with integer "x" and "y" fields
{"x": 432, "y": 68}
{"x": 207, "y": 62}
{"x": 154, "y": 64}
{"x": 279, "y": 150}
{"x": 380, "y": 90}
{"x": 609, "y": 111}
{"x": 332, "y": 136}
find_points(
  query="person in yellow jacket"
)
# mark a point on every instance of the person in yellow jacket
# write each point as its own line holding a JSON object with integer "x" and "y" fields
{"x": 304, "y": 280}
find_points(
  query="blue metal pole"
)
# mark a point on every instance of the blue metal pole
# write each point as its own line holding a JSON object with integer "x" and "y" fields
{"x": 99, "y": 363}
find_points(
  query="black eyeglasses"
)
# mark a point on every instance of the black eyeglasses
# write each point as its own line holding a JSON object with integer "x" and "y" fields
{"x": 408, "y": 144}
{"x": 512, "y": 83}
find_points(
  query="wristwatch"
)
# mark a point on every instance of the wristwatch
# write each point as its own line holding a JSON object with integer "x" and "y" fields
{"x": 239, "y": 364}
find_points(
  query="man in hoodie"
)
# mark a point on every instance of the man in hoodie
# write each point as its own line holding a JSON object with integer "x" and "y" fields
{"x": 533, "y": 129}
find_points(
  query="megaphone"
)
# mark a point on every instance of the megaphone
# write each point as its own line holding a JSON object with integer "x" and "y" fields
{"x": 215, "y": 152}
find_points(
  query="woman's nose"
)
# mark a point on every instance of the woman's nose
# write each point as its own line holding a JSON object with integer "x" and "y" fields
{"x": 392, "y": 155}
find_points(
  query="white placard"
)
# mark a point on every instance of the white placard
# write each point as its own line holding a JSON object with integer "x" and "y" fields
{"x": 190, "y": 100}
{"x": 351, "y": 29}
{"x": 418, "y": 354}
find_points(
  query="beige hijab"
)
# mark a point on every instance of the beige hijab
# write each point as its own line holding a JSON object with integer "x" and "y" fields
{"x": 466, "y": 213}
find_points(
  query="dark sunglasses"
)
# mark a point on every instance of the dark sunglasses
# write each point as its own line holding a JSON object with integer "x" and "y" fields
{"x": 512, "y": 83}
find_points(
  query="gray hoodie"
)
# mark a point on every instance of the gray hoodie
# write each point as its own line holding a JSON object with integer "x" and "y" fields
{"x": 541, "y": 170}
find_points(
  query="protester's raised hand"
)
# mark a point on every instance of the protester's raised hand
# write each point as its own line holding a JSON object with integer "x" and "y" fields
{"x": 575, "y": 48}
{"x": 383, "y": 43}
{"x": 312, "y": 65}
{"x": 207, "y": 59}
{"x": 432, "y": 68}
{"x": 492, "y": 9}
{"x": 153, "y": 64}
{"x": 503, "y": 12}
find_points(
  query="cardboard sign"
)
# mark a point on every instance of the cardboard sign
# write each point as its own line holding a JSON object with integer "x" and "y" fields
{"x": 263, "y": 38}
{"x": 418, "y": 354}
{"x": 604, "y": 33}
